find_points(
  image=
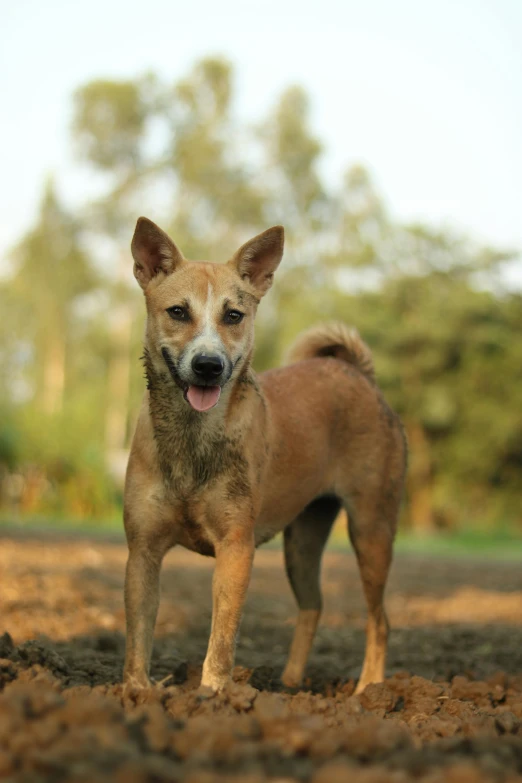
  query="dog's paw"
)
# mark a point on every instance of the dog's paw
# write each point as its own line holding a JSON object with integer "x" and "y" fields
{"x": 291, "y": 679}
{"x": 205, "y": 692}
{"x": 363, "y": 684}
{"x": 131, "y": 682}
{"x": 214, "y": 683}
{"x": 135, "y": 690}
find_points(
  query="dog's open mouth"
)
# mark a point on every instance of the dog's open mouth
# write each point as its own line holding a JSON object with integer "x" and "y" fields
{"x": 202, "y": 398}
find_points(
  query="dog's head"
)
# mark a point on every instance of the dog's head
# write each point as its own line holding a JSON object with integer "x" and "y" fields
{"x": 200, "y": 316}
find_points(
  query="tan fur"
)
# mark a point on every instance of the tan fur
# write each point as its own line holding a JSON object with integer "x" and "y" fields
{"x": 333, "y": 339}
{"x": 279, "y": 452}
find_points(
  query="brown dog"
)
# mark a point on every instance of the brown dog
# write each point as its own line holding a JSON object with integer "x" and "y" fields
{"x": 222, "y": 460}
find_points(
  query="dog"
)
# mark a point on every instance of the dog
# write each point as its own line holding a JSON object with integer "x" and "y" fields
{"x": 223, "y": 459}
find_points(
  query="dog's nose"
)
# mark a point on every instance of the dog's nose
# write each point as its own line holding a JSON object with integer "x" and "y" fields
{"x": 208, "y": 366}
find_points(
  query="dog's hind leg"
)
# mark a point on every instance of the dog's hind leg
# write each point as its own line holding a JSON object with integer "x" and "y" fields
{"x": 304, "y": 542}
{"x": 372, "y": 529}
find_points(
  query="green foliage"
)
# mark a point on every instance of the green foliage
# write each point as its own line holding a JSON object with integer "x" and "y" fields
{"x": 294, "y": 151}
{"x": 109, "y": 122}
{"x": 430, "y": 303}
{"x": 217, "y": 199}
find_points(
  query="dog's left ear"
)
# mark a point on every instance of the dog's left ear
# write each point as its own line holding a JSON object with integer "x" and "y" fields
{"x": 258, "y": 259}
{"x": 153, "y": 252}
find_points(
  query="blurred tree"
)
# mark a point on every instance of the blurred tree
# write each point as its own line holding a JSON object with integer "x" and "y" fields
{"x": 363, "y": 236}
{"x": 111, "y": 129}
{"x": 215, "y": 199}
{"x": 445, "y": 333}
{"x": 443, "y": 345}
{"x": 51, "y": 273}
{"x": 298, "y": 196}
{"x": 109, "y": 124}
{"x": 414, "y": 294}
{"x": 178, "y": 141}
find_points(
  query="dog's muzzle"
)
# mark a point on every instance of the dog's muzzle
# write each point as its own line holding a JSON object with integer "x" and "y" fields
{"x": 203, "y": 390}
{"x": 208, "y": 368}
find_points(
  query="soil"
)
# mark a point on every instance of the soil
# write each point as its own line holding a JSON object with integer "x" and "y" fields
{"x": 450, "y": 709}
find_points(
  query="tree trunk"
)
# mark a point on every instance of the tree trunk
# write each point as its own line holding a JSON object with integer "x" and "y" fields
{"x": 118, "y": 382}
{"x": 54, "y": 376}
{"x": 420, "y": 481}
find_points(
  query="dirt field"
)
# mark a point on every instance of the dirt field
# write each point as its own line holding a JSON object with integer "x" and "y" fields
{"x": 451, "y": 709}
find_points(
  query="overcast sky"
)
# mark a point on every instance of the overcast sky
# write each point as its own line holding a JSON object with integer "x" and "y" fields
{"x": 426, "y": 93}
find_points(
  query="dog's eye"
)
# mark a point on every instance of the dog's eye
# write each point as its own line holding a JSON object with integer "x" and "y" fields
{"x": 233, "y": 317}
{"x": 178, "y": 313}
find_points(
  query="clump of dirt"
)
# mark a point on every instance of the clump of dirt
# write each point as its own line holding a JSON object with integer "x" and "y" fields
{"x": 407, "y": 725}
{"x": 451, "y": 709}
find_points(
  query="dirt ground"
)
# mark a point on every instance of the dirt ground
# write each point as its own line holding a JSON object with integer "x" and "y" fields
{"x": 450, "y": 710}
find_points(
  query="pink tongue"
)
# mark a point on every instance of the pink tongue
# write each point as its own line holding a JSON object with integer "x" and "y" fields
{"x": 202, "y": 398}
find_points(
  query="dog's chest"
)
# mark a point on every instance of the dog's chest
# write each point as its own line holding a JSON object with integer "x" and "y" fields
{"x": 198, "y": 523}
{"x": 191, "y": 461}
{"x": 207, "y": 486}
{"x": 193, "y": 536}
{"x": 203, "y": 515}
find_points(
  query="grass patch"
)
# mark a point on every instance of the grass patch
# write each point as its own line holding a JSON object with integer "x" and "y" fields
{"x": 42, "y": 524}
{"x": 500, "y": 544}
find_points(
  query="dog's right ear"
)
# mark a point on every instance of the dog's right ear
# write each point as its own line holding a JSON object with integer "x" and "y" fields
{"x": 153, "y": 252}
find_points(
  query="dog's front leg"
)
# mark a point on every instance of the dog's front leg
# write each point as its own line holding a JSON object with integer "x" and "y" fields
{"x": 141, "y": 608}
{"x": 234, "y": 556}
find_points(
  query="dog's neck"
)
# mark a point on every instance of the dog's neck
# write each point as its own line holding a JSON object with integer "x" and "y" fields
{"x": 193, "y": 447}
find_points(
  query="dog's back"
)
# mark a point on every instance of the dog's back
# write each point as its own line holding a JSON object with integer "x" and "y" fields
{"x": 336, "y": 435}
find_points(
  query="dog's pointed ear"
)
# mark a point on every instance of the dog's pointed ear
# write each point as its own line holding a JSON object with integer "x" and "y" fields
{"x": 258, "y": 259}
{"x": 153, "y": 252}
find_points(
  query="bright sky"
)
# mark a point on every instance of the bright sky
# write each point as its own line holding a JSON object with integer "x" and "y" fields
{"x": 427, "y": 93}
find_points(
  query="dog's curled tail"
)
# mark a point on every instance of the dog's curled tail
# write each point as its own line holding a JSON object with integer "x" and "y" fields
{"x": 337, "y": 340}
